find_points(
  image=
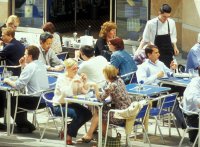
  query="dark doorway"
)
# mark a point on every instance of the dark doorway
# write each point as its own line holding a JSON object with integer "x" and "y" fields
{"x": 78, "y": 15}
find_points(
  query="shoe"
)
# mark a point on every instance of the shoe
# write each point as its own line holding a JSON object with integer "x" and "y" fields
{"x": 26, "y": 127}
{"x": 69, "y": 142}
{"x": 3, "y": 127}
{"x": 83, "y": 140}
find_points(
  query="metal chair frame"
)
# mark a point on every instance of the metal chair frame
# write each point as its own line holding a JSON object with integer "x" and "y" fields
{"x": 167, "y": 103}
{"x": 187, "y": 126}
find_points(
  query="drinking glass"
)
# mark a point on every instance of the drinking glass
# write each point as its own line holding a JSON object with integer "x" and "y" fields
{"x": 191, "y": 72}
{"x": 195, "y": 73}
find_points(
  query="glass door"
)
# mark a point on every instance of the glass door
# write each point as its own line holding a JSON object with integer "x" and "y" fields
{"x": 131, "y": 17}
{"x": 32, "y": 13}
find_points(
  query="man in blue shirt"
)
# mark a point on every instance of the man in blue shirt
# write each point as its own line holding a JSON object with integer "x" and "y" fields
{"x": 153, "y": 69}
{"x": 193, "y": 58}
{"x": 34, "y": 80}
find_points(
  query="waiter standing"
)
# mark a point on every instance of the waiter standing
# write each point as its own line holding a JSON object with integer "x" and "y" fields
{"x": 161, "y": 31}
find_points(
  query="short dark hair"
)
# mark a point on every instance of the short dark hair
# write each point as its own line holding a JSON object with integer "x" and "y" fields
{"x": 49, "y": 27}
{"x": 87, "y": 51}
{"x": 149, "y": 49}
{"x": 34, "y": 51}
{"x": 118, "y": 43}
{"x": 165, "y": 8}
{"x": 44, "y": 36}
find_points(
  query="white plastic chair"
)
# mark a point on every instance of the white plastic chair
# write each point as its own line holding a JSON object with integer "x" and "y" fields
{"x": 143, "y": 113}
{"x": 188, "y": 127}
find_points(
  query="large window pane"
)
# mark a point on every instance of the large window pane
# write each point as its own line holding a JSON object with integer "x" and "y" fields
{"x": 131, "y": 18}
{"x": 30, "y": 12}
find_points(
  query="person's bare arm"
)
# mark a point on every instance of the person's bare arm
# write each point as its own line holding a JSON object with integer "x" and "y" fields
{"x": 176, "y": 51}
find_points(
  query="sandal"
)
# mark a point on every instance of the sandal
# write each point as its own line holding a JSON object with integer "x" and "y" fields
{"x": 83, "y": 140}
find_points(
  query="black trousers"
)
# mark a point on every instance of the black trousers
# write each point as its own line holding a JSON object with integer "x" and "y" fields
{"x": 192, "y": 120}
{"x": 27, "y": 102}
{"x": 2, "y": 103}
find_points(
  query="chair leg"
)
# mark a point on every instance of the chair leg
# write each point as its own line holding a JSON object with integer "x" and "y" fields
{"x": 176, "y": 127}
{"x": 16, "y": 105}
{"x": 161, "y": 136}
{"x": 180, "y": 143}
{"x": 146, "y": 135}
{"x": 169, "y": 123}
{"x": 195, "y": 140}
{"x": 44, "y": 129}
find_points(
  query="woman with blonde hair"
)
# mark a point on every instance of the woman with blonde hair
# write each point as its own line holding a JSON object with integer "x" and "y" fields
{"x": 107, "y": 32}
{"x": 13, "y": 21}
{"x": 67, "y": 85}
{"x": 116, "y": 90}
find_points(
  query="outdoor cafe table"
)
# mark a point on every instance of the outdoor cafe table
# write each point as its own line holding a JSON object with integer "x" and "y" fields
{"x": 146, "y": 90}
{"x": 175, "y": 81}
{"x": 88, "y": 101}
{"x": 8, "y": 89}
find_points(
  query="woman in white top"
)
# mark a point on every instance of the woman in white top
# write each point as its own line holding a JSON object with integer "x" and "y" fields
{"x": 70, "y": 84}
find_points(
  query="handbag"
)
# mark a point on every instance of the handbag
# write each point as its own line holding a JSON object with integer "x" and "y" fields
{"x": 112, "y": 141}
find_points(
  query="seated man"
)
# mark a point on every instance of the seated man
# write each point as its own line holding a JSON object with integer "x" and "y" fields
{"x": 92, "y": 66}
{"x": 34, "y": 79}
{"x": 193, "y": 58}
{"x": 47, "y": 55}
{"x": 152, "y": 69}
{"x": 13, "y": 50}
{"x": 191, "y": 102}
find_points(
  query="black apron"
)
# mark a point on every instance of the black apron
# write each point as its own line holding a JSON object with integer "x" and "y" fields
{"x": 164, "y": 44}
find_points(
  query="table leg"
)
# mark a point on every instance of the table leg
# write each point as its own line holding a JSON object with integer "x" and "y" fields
{"x": 100, "y": 127}
{"x": 8, "y": 95}
{"x": 65, "y": 124}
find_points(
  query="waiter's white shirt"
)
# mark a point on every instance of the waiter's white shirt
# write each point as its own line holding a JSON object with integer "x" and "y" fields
{"x": 150, "y": 30}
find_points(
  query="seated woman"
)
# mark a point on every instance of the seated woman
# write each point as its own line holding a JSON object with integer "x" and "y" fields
{"x": 69, "y": 84}
{"x": 121, "y": 59}
{"x": 120, "y": 99}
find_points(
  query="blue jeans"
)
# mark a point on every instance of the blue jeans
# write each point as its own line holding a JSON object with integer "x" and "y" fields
{"x": 70, "y": 112}
{"x": 79, "y": 114}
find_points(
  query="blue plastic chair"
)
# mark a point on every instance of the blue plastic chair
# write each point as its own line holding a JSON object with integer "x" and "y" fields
{"x": 130, "y": 76}
{"x": 166, "y": 107}
{"x": 62, "y": 56}
{"x": 52, "y": 81}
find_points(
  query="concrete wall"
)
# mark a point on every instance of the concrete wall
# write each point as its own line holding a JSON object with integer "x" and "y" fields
{"x": 186, "y": 14}
{"x": 4, "y": 10}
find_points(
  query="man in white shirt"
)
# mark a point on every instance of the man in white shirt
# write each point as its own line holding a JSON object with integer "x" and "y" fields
{"x": 191, "y": 102}
{"x": 152, "y": 69}
{"x": 92, "y": 66}
{"x": 161, "y": 31}
{"x": 47, "y": 55}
